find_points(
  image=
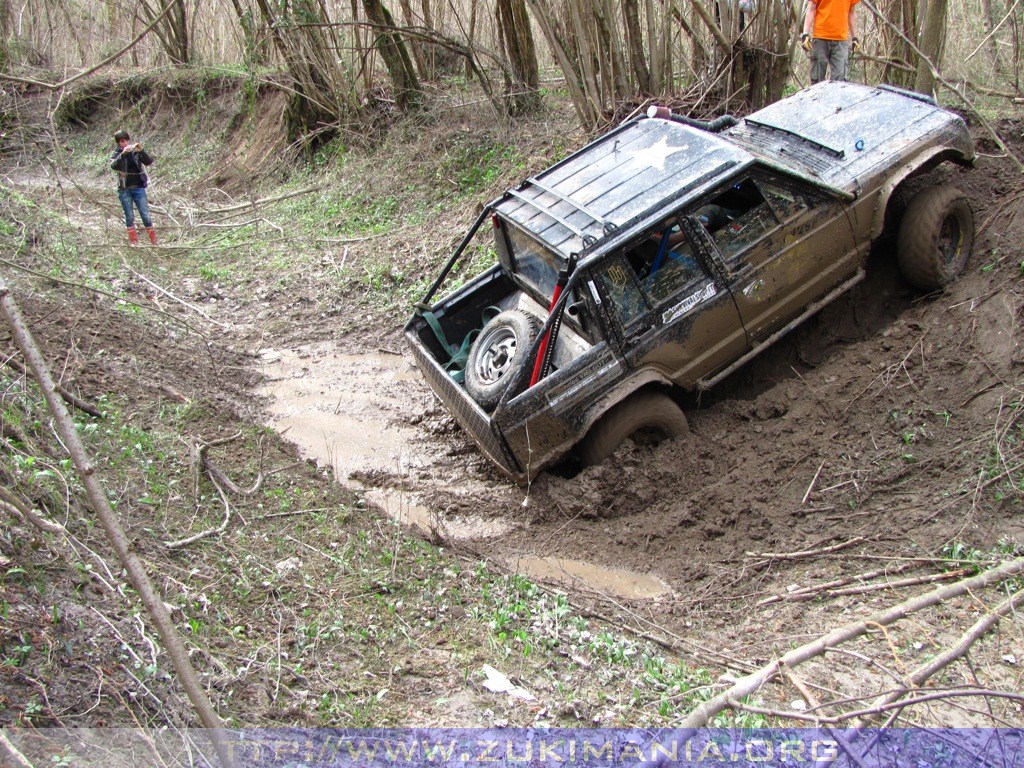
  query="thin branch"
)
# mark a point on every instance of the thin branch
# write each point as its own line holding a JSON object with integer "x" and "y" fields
{"x": 172, "y": 297}
{"x": 808, "y": 552}
{"x": 920, "y": 675}
{"x": 110, "y": 59}
{"x": 19, "y": 759}
{"x": 101, "y": 292}
{"x": 209, "y": 531}
{"x": 746, "y": 685}
{"x": 10, "y": 501}
{"x": 67, "y": 396}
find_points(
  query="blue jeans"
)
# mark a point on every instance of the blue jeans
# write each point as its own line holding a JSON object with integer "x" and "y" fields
{"x": 136, "y": 196}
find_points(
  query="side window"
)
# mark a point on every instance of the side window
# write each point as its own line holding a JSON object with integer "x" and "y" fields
{"x": 785, "y": 203}
{"x": 737, "y": 218}
{"x": 651, "y": 271}
{"x": 678, "y": 268}
{"x": 617, "y": 278}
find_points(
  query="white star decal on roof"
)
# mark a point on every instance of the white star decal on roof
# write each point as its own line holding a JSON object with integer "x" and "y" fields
{"x": 656, "y": 154}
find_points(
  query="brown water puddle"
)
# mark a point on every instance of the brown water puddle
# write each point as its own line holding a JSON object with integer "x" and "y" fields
{"x": 616, "y": 582}
{"x": 352, "y": 413}
{"x": 356, "y": 414}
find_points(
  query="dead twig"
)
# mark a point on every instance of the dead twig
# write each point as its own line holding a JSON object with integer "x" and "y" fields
{"x": 808, "y": 593}
{"x": 812, "y": 702}
{"x": 746, "y": 685}
{"x": 17, "y": 507}
{"x": 908, "y": 582}
{"x": 172, "y": 297}
{"x": 68, "y": 397}
{"x": 814, "y": 480}
{"x": 979, "y": 629}
{"x": 807, "y": 552}
{"x": 19, "y": 759}
{"x": 209, "y": 531}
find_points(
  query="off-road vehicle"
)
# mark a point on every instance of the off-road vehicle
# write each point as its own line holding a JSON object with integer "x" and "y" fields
{"x": 668, "y": 252}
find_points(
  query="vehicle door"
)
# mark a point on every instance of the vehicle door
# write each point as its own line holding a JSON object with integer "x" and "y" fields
{"x": 784, "y": 246}
{"x": 667, "y": 305}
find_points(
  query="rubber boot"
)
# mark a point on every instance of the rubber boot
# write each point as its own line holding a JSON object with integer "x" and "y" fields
{"x": 151, "y": 231}
{"x": 133, "y": 236}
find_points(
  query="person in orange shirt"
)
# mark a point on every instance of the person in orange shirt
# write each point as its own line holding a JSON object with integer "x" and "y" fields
{"x": 830, "y": 33}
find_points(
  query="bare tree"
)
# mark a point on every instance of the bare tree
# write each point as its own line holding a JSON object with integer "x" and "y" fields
{"x": 172, "y": 29}
{"x": 392, "y": 49}
{"x": 5, "y": 35}
{"x": 521, "y": 87}
{"x": 931, "y": 43}
{"x": 298, "y": 32}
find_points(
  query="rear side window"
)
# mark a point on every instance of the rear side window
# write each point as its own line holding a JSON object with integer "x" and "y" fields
{"x": 619, "y": 283}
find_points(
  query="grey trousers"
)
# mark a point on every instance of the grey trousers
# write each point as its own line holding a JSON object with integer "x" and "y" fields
{"x": 833, "y": 55}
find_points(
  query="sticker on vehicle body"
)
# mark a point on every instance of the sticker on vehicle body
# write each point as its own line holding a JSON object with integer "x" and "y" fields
{"x": 753, "y": 288}
{"x": 705, "y": 293}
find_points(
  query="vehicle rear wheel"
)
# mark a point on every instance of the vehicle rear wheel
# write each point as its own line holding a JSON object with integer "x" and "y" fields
{"x": 497, "y": 354}
{"x": 935, "y": 237}
{"x": 650, "y": 417}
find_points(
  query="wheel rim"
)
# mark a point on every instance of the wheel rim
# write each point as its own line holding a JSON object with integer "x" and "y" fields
{"x": 951, "y": 240}
{"x": 497, "y": 352}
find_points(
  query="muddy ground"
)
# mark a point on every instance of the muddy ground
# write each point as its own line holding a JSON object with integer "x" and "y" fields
{"x": 882, "y": 437}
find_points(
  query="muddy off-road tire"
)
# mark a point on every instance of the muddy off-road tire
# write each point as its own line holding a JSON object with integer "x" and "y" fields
{"x": 497, "y": 354}
{"x": 652, "y": 416}
{"x": 935, "y": 238}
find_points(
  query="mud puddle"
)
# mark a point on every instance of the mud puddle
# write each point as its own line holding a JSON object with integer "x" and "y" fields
{"x": 356, "y": 413}
{"x": 352, "y": 413}
{"x": 617, "y": 582}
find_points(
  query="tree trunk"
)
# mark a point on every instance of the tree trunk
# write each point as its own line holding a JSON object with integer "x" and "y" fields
{"x": 415, "y": 44}
{"x": 993, "y": 42}
{"x": 395, "y": 55}
{"x": 931, "y": 44}
{"x": 635, "y": 45}
{"x": 522, "y": 91}
{"x": 171, "y": 30}
{"x": 5, "y": 35}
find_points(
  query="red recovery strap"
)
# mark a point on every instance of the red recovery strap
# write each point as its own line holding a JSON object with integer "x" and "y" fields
{"x": 539, "y": 362}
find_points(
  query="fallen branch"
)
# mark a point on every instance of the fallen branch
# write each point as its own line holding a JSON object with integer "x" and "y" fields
{"x": 18, "y": 507}
{"x": 252, "y": 204}
{"x": 121, "y": 299}
{"x": 846, "y": 716}
{"x": 746, "y": 685}
{"x": 66, "y": 396}
{"x": 19, "y": 759}
{"x": 808, "y": 593}
{"x": 806, "y": 552}
{"x": 172, "y": 297}
{"x": 980, "y": 628}
{"x": 209, "y": 531}
{"x": 100, "y": 502}
{"x": 812, "y": 702}
{"x": 908, "y": 582}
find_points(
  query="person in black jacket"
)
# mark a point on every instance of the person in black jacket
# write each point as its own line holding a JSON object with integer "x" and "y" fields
{"x": 130, "y": 161}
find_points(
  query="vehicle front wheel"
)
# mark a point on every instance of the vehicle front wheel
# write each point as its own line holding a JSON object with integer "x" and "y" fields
{"x": 497, "y": 354}
{"x": 935, "y": 237}
{"x": 649, "y": 417}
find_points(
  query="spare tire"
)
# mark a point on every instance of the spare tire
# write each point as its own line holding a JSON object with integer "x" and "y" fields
{"x": 935, "y": 237}
{"x": 497, "y": 354}
{"x": 653, "y": 415}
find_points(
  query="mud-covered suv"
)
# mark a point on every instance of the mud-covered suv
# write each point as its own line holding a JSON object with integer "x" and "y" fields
{"x": 667, "y": 253}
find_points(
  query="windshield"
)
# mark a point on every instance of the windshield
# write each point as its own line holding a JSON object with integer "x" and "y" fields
{"x": 535, "y": 264}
